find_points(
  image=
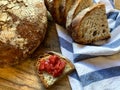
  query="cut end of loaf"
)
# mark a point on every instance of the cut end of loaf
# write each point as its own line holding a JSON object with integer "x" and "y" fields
{"x": 90, "y": 25}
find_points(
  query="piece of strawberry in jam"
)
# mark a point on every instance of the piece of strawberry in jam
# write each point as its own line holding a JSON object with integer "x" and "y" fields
{"x": 53, "y": 59}
{"x": 59, "y": 67}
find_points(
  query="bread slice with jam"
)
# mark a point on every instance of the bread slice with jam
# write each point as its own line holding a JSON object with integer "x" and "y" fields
{"x": 52, "y": 66}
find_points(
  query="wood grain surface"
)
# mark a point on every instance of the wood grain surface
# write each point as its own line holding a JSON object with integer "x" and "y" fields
{"x": 24, "y": 76}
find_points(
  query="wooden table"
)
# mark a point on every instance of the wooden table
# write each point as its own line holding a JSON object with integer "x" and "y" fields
{"x": 24, "y": 77}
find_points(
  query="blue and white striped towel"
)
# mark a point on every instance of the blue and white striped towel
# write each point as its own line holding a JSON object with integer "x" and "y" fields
{"x": 98, "y": 73}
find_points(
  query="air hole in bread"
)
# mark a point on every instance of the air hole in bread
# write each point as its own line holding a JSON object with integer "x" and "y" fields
{"x": 103, "y": 30}
{"x": 103, "y": 25}
{"x": 82, "y": 35}
{"x": 94, "y": 33}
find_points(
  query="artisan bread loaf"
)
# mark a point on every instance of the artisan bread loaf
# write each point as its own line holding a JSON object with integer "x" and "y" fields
{"x": 22, "y": 28}
{"x": 77, "y": 7}
{"x": 48, "y": 79}
{"x": 90, "y": 25}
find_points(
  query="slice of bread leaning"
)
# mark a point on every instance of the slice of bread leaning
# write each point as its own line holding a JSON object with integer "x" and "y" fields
{"x": 49, "y": 5}
{"x": 66, "y": 8}
{"x": 77, "y": 6}
{"x": 46, "y": 78}
{"x": 55, "y": 10}
{"x": 90, "y": 25}
{"x": 61, "y": 12}
{"x": 53, "y": 6}
{"x": 83, "y": 4}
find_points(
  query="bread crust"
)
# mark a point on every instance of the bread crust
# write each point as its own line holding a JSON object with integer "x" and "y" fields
{"x": 49, "y": 4}
{"x": 56, "y": 12}
{"x": 82, "y": 5}
{"x": 63, "y": 11}
{"x": 66, "y": 8}
{"x": 23, "y": 28}
{"x": 76, "y": 25}
{"x": 71, "y": 12}
{"x": 40, "y": 74}
{"x": 77, "y": 7}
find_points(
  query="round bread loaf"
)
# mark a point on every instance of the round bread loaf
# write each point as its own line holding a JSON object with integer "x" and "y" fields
{"x": 22, "y": 28}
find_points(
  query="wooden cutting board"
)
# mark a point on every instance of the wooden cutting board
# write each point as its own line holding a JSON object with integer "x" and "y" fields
{"x": 24, "y": 77}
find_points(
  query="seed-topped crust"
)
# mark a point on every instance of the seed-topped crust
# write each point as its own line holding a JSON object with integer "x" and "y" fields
{"x": 22, "y": 28}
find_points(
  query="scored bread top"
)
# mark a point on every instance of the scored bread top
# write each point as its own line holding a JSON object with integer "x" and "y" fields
{"x": 22, "y": 28}
{"x": 11, "y": 15}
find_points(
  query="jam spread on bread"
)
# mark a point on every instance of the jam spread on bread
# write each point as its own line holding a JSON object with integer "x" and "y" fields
{"x": 54, "y": 65}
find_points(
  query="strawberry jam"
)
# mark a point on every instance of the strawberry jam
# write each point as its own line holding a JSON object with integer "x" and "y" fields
{"x": 54, "y": 65}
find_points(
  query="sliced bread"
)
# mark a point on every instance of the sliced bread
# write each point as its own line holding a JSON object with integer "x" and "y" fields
{"x": 53, "y": 6}
{"x": 49, "y": 4}
{"x": 55, "y": 10}
{"x": 61, "y": 11}
{"x": 48, "y": 79}
{"x": 78, "y": 6}
{"x": 90, "y": 25}
{"x": 83, "y": 4}
{"x": 68, "y": 5}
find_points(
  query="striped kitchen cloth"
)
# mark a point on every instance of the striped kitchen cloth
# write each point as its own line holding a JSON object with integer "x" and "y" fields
{"x": 95, "y": 68}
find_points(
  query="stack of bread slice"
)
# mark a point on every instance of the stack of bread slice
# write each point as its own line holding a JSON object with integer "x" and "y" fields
{"x": 84, "y": 20}
{"x": 90, "y": 25}
{"x": 77, "y": 7}
{"x": 63, "y": 10}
